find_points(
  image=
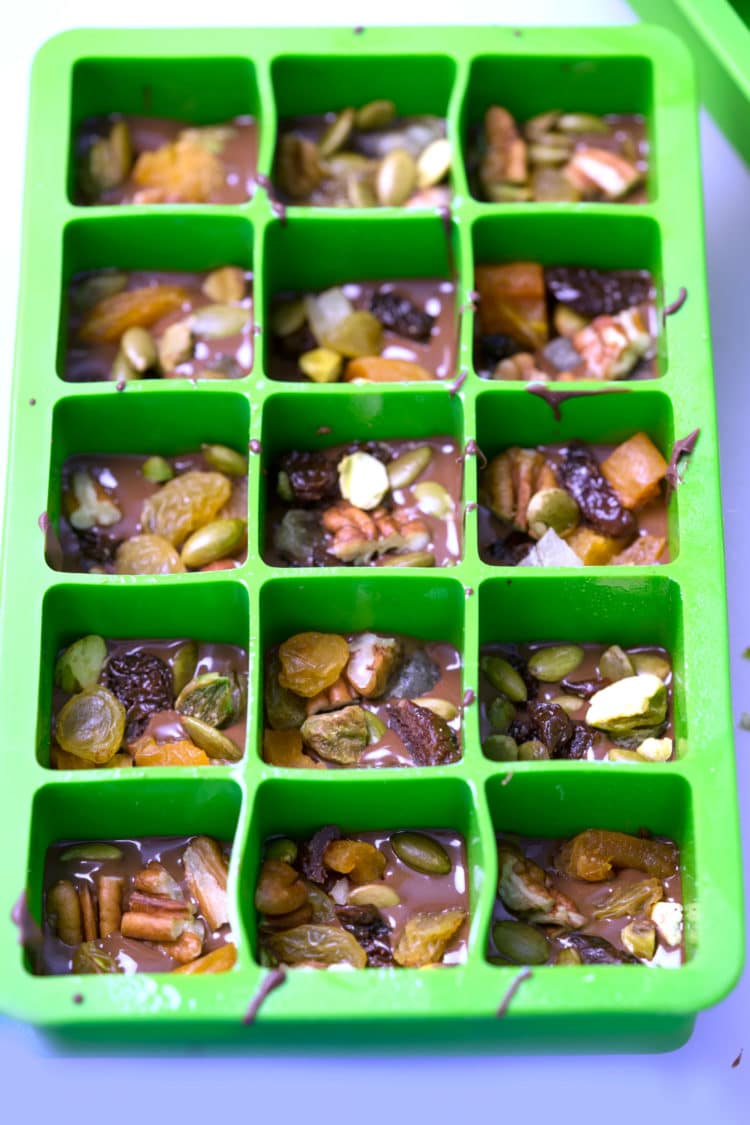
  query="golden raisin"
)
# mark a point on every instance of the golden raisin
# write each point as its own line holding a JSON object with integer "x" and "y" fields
{"x": 182, "y": 753}
{"x": 184, "y": 504}
{"x": 280, "y": 889}
{"x": 111, "y": 317}
{"x": 312, "y": 662}
{"x": 284, "y": 748}
{"x": 362, "y": 862}
{"x": 148, "y": 554}
{"x": 592, "y": 854}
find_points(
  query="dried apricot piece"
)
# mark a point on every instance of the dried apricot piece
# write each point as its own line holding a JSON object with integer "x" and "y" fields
{"x": 426, "y": 936}
{"x": 592, "y": 548}
{"x": 148, "y": 554}
{"x": 361, "y": 861}
{"x": 217, "y": 961}
{"x": 106, "y": 322}
{"x": 284, "y": 748}
{"x": 646, "y": 551}
{"x": 512, "y": 302}
{"x": 592, "y": 854}
{"x": 380, "y": 369}
{"x": 184, "y": 504}
{"x": 181, "y": 753}
{"x": 312, "y": 662}
{"x": 181, "y": 172}
{"x": 635, "y": 469}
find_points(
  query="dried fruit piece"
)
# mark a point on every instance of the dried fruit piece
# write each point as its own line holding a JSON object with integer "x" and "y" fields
{"x": 505, "y": 160}
{"x": 321, "y": 365}
{"x": 143, "y": 684}
{"x": 601, "y": 508}
{"x": 284, "y": 708}
{"x": 646, "y": 551}
{"x": 180, "y": 753}
{"x": 183, "y": 171}
{"x": 358, "y": 334}
{"x": 370, "y": 929}
{"x": 512, "y": 302}
{"x": 595, "y": 950}
{"x": 399, "y": 314}
{"x": 279, "y": 889}
{"x": 147, "y": 554}
{"x": 426, "y": 937}
{"x": 378, "y": 369}
{"x": 421, "y": 853}
{"x": 217, "y": 961}
{"x": 591, "y": 548}
{"x": 307, "y": 477}
{"x": 592, "y": 855}
{"x": 111, "y": 317}
{"x": 426, "y": 736}
{"x": 312, "y": 662}
{"x": 79, "y": 666}
{"x": 632, "y": 898}
{"x": 311, "y": 853}
{"x": 205, "y": 868}
{"x": 635, "y": 469}
{"x": 284, "y": 748}
{"x": 318, "y": 943}
{"x": 185, "y": 504}
{"x": 91, "y": 725}
{"x": 592, "y": 293}
{"x": 338, "y": 736}
{"x": 361, "y": 861}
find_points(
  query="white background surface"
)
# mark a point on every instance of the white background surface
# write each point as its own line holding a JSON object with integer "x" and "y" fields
{"x": 694, "y": 1084}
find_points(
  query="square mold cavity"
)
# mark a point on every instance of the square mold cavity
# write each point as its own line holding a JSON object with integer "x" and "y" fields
{"x": 215, "y": 613}
{"x": 309, "y": 257}
{"x": 128, "y": 241}
{"x": 561, "y": 803}
{"x": 507, "y": 416}
{"x": 646, "y": 610}
{"x": 165, "y": 423}
{"x": 198, "y": 91}
{"x": 105, "y": 810}
{"x": 430, "y": 608}
{"x": 606, "y": 242}
{"x": 527, "y": 85}
{"x": 298, "y": 807}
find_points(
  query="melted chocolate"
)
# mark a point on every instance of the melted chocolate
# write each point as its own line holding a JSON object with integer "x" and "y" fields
{"x": 681, "y": 448}
{"x": 272, "y": 980}
{"x": 524, "y": 975}
{"x": 554, "y": 396}
{"x": 677, "y": 304}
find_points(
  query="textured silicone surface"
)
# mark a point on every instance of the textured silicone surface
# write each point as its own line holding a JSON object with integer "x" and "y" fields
{"x": 211, "y": 75}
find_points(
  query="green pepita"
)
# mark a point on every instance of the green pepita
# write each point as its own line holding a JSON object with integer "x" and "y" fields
{"x": 396, "y": 178}
{"x": 288, "y": 317}
{"x": 360, "y": 192}
{"x": 282, "y": 848}
{"x": 555, "y": 662}
{"x": 210, "y": 740}
{"x": 422, "y": 853}
{"x": 504, "y": 678}
{"x": 122, "y": 369}
{"x": 520, "y": 943}
{"x": 157, "y": 469}
{"x": 615, "y": 664}
{"x": 552, "y": 508}
{"x": 500, "y": 748}
{"x": 533, "y": 751}
{"x": 404, "y": 470}
{"x": 91, "y": 852}
{"x": 337, "y": 133}
{"x": 216, "y": 540}
{"x": 216, "y": 322}
{"x": 374, "y": 115}
{"x": 501, "y": 714}
{"x": 225, "y": 460}
{"x": 571, "y": 704}
{"x": 184, "y": 663}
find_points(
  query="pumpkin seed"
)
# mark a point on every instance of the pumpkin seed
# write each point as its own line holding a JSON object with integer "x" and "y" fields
{"x": 433, "y": 499}
{"x": 500, "y": 748}
{"x": 216, "y": 540}
{"x": 533, "y": 751}
{"x": 225, "y": 285}
{"x": 568, "y": 957}
{"x": 281, "y": 848}
{"x": 650, "y": 663}
{"x": 215, "y": 322}
{"x": 582, "y": 123}
{"x": 122, "y": 369}
{"x": 440, "y": 707}
{"x": 421, "y": 853}
{"x": 139, "y": 348}
{"x": 374, "y": 115}
{"x": 554, "y": 662}
{"x": 537, "y": 127}
{"x": 550, "y": 153}
{"x": 376, "y": 728}
{"x": 175, "y": 345}
{"x": 396, "y": 178}
{"x": 321, "y": 365}
{"x": 157, "y": 469}
{"x": 405, "y": 469}
{"x": 520, "y": 943}
{"x": 552, "y": 508}
{"x": 569, "y": 703}
{"x": 615, "y": 664}
{"x": 501, "y": 714}
{"x": 373, "y": 894}
{"x": 507, "y": 193}
{"x": 433, "y": 164}
{"x": 288, "y": 317}
{"x": 409, "y": 558}
{"x": 504, "y": 678}
{"x": 184, "y": 663}
{"x": 360, "y": 192}
{"x": 91, "y": 852}
{"x": 225, "y": 460}
{"x": 210, "y": 740}
{"x": 337, "y": 133}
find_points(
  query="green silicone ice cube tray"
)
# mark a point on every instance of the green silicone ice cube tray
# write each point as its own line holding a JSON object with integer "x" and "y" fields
{"x": 207, "y": 76}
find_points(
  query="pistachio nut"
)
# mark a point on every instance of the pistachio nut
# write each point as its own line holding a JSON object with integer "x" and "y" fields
{"x": 433, "y": 163}
{"x": 533, "y": 751}
{"x": 433, "y": 499}
{"x": 376, "y": 728}
{"x": 639, "y": 938}
{"x": 615, "y": 664}
{"x": 92, "y": 852}
{"x": 405, "y": 469}
{"x": 209, "y": 698}
{"x": 216, "y": 540}
{"x": 651, "y": 662}
{"x": 210, "y": 740}
{"x": 288, "y": 317}
{"x": 421, "y": 853}
{"x": 554, "y": 662}
{"x": 500, "y": 748}
{"x": 395, "y": 178}
{"x": 501, "y": 714}
{"x": 504, "y": 678}
{"x": 520, "y": 943}
{"x": 225, "y": 460}
{"x": 157, "y": 470}
{"x": 373, "y": 894}
{"x": 408, "y": 558}
{"x": 79, "y": 666}
{"x": 569, "y": 703}
{"x": 363, "y": 480}
{"x": 325, "y": 311}
{"x": 441, "y": 707}
{"x": 629, "y": 704}
{"x": 321, "y": 365}
{"x": 337, "y": 133}
{"x": 552, "y": 508}
{"x": 184, "y": 663}
{"x": 216, "y": 322}
{"x": 175, "y": 345}
{"x": 225, "y": 285}
{"x": 374, "y": 115}
{"x": 282, "y": 848}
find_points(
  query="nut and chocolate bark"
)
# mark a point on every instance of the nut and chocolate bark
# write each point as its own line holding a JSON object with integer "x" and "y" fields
{"x": 366, "y": 332}
{"x": 361, "y": 700}
{"x": 116, "y": 704}
{"x": 558, "y": 156}
{"x": 575, "y": 505}
{"x": 124, "y": 158}
{"x": 364, "y": 899}
{"x": 159, "y": 325}
{"x": 600, "y": 898}
{"x": 130, "y": 514}
{"x": 576, "y": 701}
{"x": 544, "y": 324}
{"x": 156, "y": 904}
{"x": 384, "y": 503}
{"x": 364, "y": 157}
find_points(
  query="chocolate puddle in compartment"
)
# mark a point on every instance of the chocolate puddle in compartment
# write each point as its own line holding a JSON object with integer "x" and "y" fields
{"x": 434, "y": 296}
{"x": 238, "y": 154}
{"x": 120, "y": 475}
{"x": 445, "y": 468}
{"x": 231, "y": 355}
{"x": 133, "y": 956}
{"x": 589, "y": 896}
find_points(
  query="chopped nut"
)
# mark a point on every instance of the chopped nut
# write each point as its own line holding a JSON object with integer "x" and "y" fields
{"x": 89, "y": 504}
{"x": 509, "y": 481}
{"x": 667, "y": 917}
{"x": 371, "y": 663}
{"x": 639, "y": 938}
{"x": 505, "y": 159}
{"x": 337, "y": 736}
{"x": 359, "y": 536}
{"x": 206, "y": 875}
{"x": 595, "y": 170}
{"x": 362, "y": 862}
{"x": 175, "y": 345}
{"x": 655, "y": 749}
{"x": 611, "y": 346}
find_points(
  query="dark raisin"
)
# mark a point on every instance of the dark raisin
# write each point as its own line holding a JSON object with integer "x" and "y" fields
{"x": 584, "y": 689}
{"x": 371, "y": 930}
{"x": 96, "y": 545}
{"x": 426, "y": 736}
{"x": 509, "y": 550}
{"x": 310, "y": 859}
{"x": 581, "y": 476}
{"x": 596, "y": 950}
{"x": 581, "y": 741}
{"x": 312, "y": 476}
{"x": 496, "y": 347}
{"x": 402, "y": 316}
{"x": 551, "y": 725}
{"x": 593, "y": 292}
{"x": 522, "y": 727}
{"x": 297, "y": 343}
{"x": 144, "y": 685}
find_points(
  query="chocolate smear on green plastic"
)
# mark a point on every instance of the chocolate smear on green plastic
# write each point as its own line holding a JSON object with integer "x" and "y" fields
{"x": 32, "y": 402}
{"x": 78, "y": 998}
{"x": 471, "y": 449}
{"x": 456, "y": 385}
{"x": 553, "y": 397}
{"x": 525, "y": 974}
{"x": 676, "y": 305}
{"x": 469, "y": 697}
{"x": 276, "y": 977}
{"x": 254, "y": 446}
{"x": 44, "y": 523}
{"x": 277, "y": 206}
{"x": 681, "y": 448}
{"x": 738, "y": 1060}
